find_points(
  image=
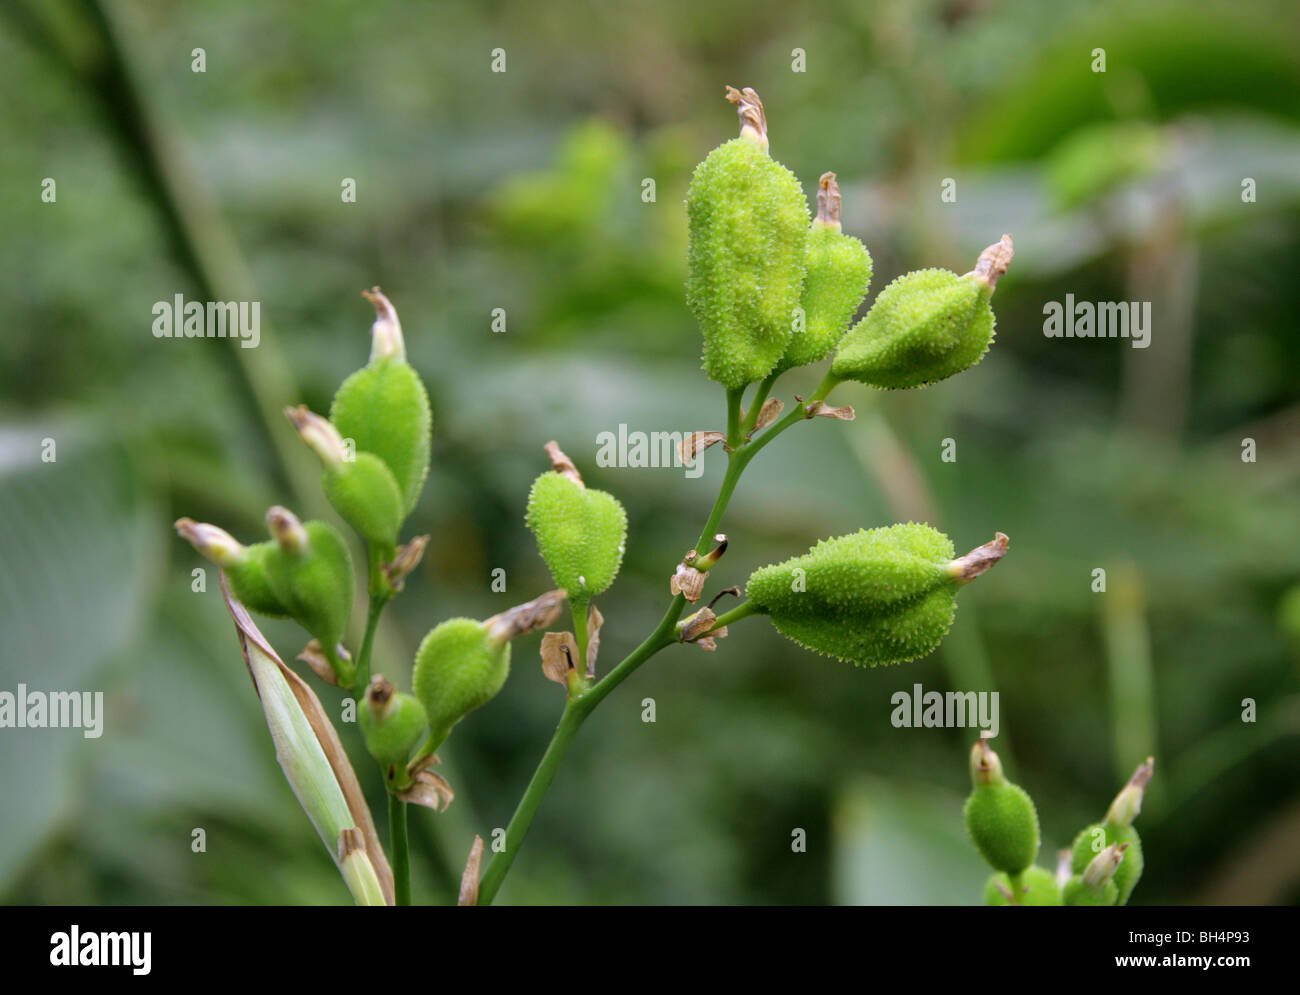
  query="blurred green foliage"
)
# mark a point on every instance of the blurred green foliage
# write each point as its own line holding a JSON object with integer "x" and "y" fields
{"x": 524, "y": 190}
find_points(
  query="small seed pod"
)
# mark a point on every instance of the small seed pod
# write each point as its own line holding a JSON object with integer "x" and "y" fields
{"x": 580, "y": 531}
{"x": 459, "y": 667}
{"x": 384, "y": 408}
{"x": 838, "y": 275}
{"x": 393, "y": 724}
{"x": 1118, "y": 829}
{"x": 1000, "y": 816}
{"x": 1096, "y": 884}
{"x": 878, "y": 596}
{"x": 748, "y": 232}
{"x": 925, "y": 326}
{"x": 245, "y": 566}
{"x": 1036, "y": 887}
{"x": 310, "y": 572}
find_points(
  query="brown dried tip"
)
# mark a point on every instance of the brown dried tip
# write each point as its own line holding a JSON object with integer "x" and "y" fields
{"x": 562, "y": 464}
{"x": 993, "y": 262}
{"x": 379, "y": 692}
{"x": 686, "y": 580}
{"x": 405, "y": 560}
{"x": 535, "y": 614}
{"x": 315, "y": 658}
{"x": 430, "y": 790}
{"x": 979, "y": 560}
{"x": 824, "y": 410}
{"x": 710, "y": 559}
{"x": 469, "y": 879}
{"x": 768, "y": 413}
{"x": 559, "y": 656}
{"x": 594, "y": 621}
{"x": 828, "y": 201}
{"x": 753, "y": 121}
{"x": 696, "y": 443}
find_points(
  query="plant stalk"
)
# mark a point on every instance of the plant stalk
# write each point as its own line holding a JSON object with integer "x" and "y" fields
{"x": 401, "y": 847}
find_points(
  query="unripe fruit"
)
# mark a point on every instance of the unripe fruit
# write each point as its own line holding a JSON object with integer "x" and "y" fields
{"x": 367, "y": 497}
{"x": 837, "y": 278}
{"x": 1096, "y": 838}
{"x": 458, "y": 668}
{"x": 580, "y": 533}
{"x": 392, "y": 723}
{"x": 384, "y": 409}
{"x": 1079, "y": 892}
{"x": 310, "y": 572}
{"x": 1000, "y": 816}
{"x": 1095, "y": 885}
{"x": 878, "y": 596}
{"x": 249, "y": 583}
{"x": 1037, "y": 887}
{"x": 748, "y": 232}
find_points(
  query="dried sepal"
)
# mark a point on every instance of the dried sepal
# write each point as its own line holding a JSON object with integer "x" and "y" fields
{"x": 561, "y": 463}
{"x": 469, "y": 879}
{"x": 696, "y": 443}
{"x": 594, "y": 621}
{"x": 315, "y": 658}
{"x": 753, "y": 119}
{"x": 829, "y": 202}
{"x": 979, "y": 560}
{"x": 768, "y": 413}
{"x": 687, "y": 581}
{"x": 559, "y": 656}
{"x": 993, "y": 262}
{"x": 535, "y": 614}
{"x": 404, "y": 562}
{"x": 824, "y": 410}
{"x": 386, "y": 332}
{"x": 430, "y": 790}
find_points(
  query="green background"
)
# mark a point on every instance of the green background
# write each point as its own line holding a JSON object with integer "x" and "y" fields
{"x": 522, "y": 190}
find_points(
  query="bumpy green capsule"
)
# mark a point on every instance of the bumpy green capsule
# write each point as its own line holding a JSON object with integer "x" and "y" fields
{"x": 384, "y": 408}
{"x": 925, "y": 326}
{"x": 838, "y": 275}
{"x": 1000, "y": 816}
{"x": 1036, "y": 887}
{"x": 459, "y": 667}
{"x": 244, "y": 566}
{"x": 310, "y": 572}
{"x": 393, "y": 724}
{"x": 1096, "y": 885}
{"x": 748, "y": 233}
{"x": 580, "y": 531}
{"x": 878, "y": 596}
{"x": 1118, "y": 829}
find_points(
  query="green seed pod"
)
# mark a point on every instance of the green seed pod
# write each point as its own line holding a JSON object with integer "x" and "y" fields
{"x": 1096, "y": 885}
{"x": 244, "y": 566}
{"x": 1036, "y": 887}
{"x": 580, "y": 532}
{"x": 878, "y": 596}
{"x": 393, "y": 724}
{"x": 459, "y": 667}
{"x": 748, "y": 232}
{"x": 925, "y": 326}
{"x": 1118, "y": 829}
{"x": 838, "y": 275}
{"x": 1000, "y": 816}
{"x": 384, "y": 408}
{"x": 359, "y": 485}
{"x": 310, "y": 571}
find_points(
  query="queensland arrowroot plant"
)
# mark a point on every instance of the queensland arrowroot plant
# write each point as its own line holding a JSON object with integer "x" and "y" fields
{"x": 773, "y": 288}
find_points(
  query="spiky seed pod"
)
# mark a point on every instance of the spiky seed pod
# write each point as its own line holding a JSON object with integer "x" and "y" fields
{"x": 1095, "y": 885}
{"x": 459, "y": 667}
{"x": 748, "y": 234}
{"x": 392, "y": 723}
{"x": 1000, "y": 816}
{"x": 384, "y": 408}
{"x": 580, "y": 532}
{"x": 878, "y": 596}
{"x": 925, "y": 326}
{"x": 1118, "y": 829}
{"x": 1037, "y": 887}
{"x": 244, "y": 566}
{"x": 309, "y": 570}
{"x": 835, "y": 284}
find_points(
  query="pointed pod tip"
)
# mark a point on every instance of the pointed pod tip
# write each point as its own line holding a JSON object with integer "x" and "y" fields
{"x": 979, "y": 560}
{"x": 993, "y": 262}
{"x": 753, "y": 119}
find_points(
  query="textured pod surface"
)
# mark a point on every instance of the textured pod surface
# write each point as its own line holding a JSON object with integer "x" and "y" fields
{"x": 580, "y": 533}
{"x": 250, "y": 584}
{"x": 838, "y": 276}
{"x": 748, "y": 235}
{"x": 877, "y": 596}
{"x": 392, "y": 739}
{"x": 315, "y": 586}
{"x": 457, "y": 669}
{"x": 1037, "y": 887}
{"x": 1079, "y": 892}
{"x": 365, "y": 494}
{"x": 924, "y": 327}
{"x": 1129, "y": 872}
{"x": 1003, "y": 825}
{"x": 384, "y": 409}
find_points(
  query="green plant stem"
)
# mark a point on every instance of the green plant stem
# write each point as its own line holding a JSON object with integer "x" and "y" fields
{"x": 362, "y": 677}
{"x": 401, "y": 848}
{"x": 664, "y": 635}
{"x": 756, "y": 405}
{"x": 742, "y": 610}
{"x": 579, "y": 607}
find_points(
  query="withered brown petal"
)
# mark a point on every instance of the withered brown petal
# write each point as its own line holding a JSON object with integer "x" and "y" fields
{"x": 696, "y": 443}
{"x": 469, "y": 879}
{"x": 430, "y": 790}
{"x": 559, "y": 656}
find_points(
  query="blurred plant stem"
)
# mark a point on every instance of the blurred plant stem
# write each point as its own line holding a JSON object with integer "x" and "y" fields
{"x": 401, "y": 847}
{"x": 1128, "y": 660}
{"x": 96, "y": 54}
